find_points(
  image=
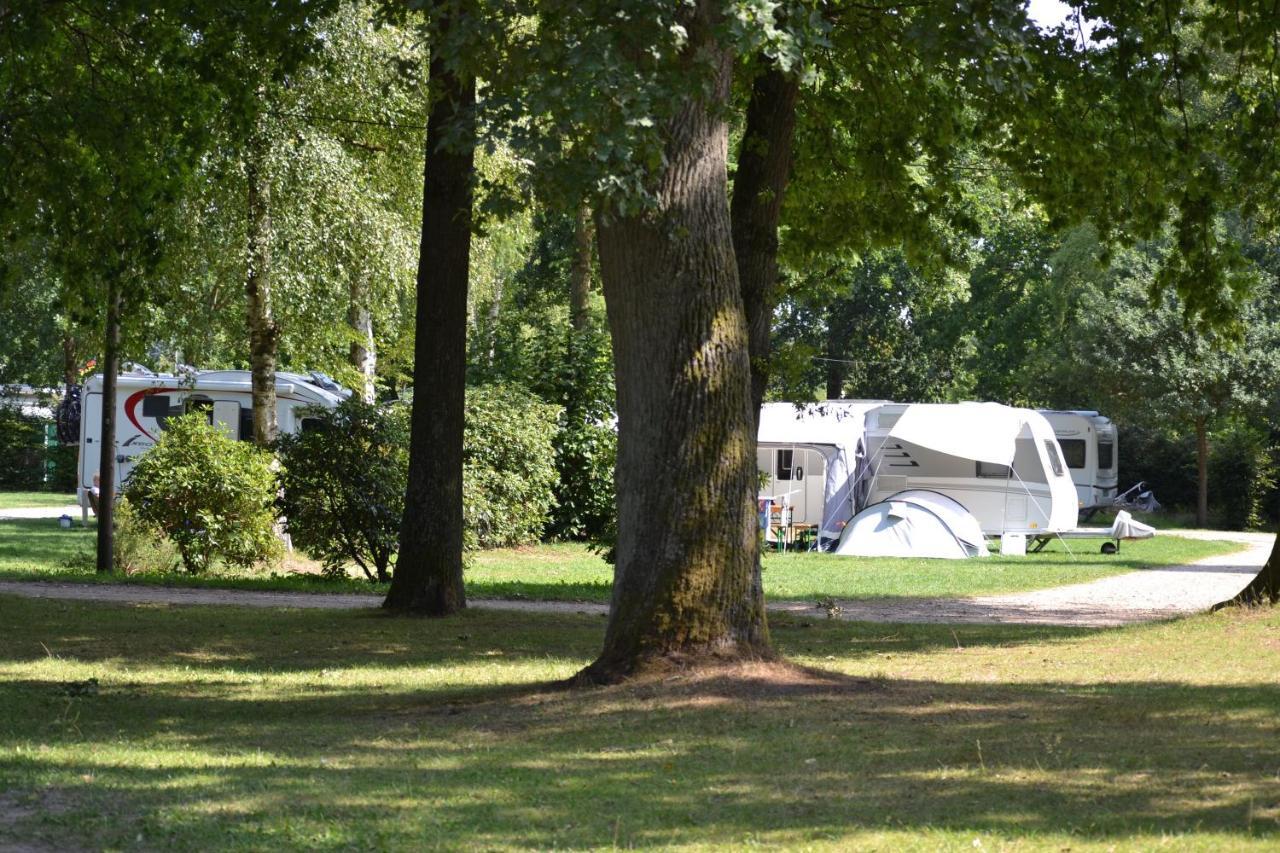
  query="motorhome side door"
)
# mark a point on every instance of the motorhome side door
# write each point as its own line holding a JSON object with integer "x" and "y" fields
{"x": 226, "y": 415}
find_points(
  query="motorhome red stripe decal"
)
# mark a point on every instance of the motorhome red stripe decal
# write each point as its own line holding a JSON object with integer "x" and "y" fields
{"x": 131, "y": 405}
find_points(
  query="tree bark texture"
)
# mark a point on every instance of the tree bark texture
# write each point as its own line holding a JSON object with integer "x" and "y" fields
{"x": 580, "y": 274}
{"x": 363, "y": 354}
{"x": 264, "y": 335}
{"x": 1265, "y": 586}
{"x": 1202, "y": 473}
{"x": 428, "y": 575}
{"x": 764, "y": 168}
{"x": 686, "y": 472}
{"x": 107, "y": 451}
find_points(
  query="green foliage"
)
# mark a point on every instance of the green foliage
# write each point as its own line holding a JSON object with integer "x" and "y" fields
{"x": 212, "y": 496}
{"x": 344, "y": 486}
{"x": 1242, "y": 473}
{"x": 509, "y": 472}
{"x": 141, "y": 546}
{"x": 21, "y": 449}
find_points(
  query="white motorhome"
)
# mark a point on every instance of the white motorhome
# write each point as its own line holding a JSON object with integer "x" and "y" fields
{"x": 145, "y": 401}
{"x": 1088, "y": 442}
{"x": 1000, "y": 463}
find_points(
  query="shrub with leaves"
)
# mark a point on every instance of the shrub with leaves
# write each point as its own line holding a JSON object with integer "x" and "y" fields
{"x": 140, "y": 546}
{"x": 21, "y": 449}
{"x": 509, "y": 471}
{"x": 1242, "y": 473}
{"x": 344, "y": 485}
{"x": 213, "y": 497}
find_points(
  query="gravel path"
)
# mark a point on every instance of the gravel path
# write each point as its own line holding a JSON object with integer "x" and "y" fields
{"x": 1140, "y": 596}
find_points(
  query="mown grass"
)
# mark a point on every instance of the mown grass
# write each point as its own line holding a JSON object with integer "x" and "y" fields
{"x": 223, "y": 728}
{"x": 39, "y": 549}
{"x": 13, "y": 500}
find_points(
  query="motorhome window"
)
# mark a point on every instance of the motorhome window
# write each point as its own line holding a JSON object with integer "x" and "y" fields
{"x": 1106, "y": 455}
{"x": 155, "y": 406}
{"x": 1073, "y": 451}
{"x": 1051, "y": 447}
{"x": 201, "y": 404}
{"x": 785, "y": 459}
{"x": 246, "y": 424}
{"x": 993, "y": 470}
{"x": 312, "y": 424}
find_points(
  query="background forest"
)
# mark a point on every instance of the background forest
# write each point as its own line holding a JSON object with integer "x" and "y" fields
{"x": 996, "y": 302}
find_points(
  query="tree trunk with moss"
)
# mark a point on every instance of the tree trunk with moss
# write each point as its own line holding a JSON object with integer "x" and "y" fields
{"x": 683, "y": 582}
{"x": 428, "y": 575}
{"x": 263, "y": 333}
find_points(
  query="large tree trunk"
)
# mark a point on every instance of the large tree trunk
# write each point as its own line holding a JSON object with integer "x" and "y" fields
{"x": 70, "y": 360}
{"x": 580, "y": 274}
{"x": 1265, "y": 586}
{"x": 428, "y": 575}
{"x": 764, "y": 168}
{"x": 683, "y": 583}
{"x": 363, "y": 355}
{"x": 107, "y": 449}
{"x": 263, "y": 333}
{"x": 1202, "y": 473}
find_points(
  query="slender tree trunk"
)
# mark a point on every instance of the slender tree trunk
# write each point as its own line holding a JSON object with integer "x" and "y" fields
{"x": 1265, "y": 586}
{"x": 363, "y": 355}
{"x": 263, "y": 333}
{"x": 1202, "y": 473}
{"x": 70, "y": 362}
{"x": 580, "y": 275}
{"x": 107, "y": 450}
{"x": 428, "y": 575}
{"x": 683, "y": 582}
{"x": 764, "y": 168}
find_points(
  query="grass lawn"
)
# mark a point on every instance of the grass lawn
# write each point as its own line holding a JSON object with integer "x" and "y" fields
{"x": 13, "y": 500}
{"x": 223, "y": 728}
{"x": 39, "y": 549}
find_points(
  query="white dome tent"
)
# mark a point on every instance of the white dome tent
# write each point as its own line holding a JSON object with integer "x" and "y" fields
{"x": 913, "y": 523}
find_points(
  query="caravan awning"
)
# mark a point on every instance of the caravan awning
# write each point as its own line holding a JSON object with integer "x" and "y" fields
{"x": 985, "y": 432}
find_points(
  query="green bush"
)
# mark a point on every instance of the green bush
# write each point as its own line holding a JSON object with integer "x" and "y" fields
{"x": 509, "y": 472}
{"x": 1242, "y": 473}
{"x": 344, "y": 486}
{"x": 141, "y": 546}
{"x": 213, "y": 497}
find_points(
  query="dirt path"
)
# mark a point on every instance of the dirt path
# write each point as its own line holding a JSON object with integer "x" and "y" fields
{"x": 1140, "y": 596}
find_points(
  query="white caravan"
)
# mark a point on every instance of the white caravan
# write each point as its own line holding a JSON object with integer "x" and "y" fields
{"x": 1088, "y": 442}
{"x": 1002, "y": 464}
{"x": 827, "y": 461}
{"x": 145, "y": 402}
{"x": 813, "y": 457}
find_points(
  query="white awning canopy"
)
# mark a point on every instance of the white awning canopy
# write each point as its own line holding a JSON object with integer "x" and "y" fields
{"x": 985, "y": 432}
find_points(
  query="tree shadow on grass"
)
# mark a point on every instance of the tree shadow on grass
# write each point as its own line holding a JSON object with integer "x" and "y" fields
{"x": 330, "y": 730}
{"x": 720, "y": 758}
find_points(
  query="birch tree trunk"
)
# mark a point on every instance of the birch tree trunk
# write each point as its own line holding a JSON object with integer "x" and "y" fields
{"x": 263, "y": 332}
{"x": 580, "y": 274}
{"x": 428, "y": 575}
{"x": 363, "y": 355}
{"x": 683, "y": 582}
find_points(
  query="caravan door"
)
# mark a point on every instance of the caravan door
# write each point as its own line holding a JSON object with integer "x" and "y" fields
{"x": 797, "y": 478}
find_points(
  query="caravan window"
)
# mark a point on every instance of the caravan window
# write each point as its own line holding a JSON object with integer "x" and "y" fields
{"x": 1106, "y": 455}
{"x": 993, "y": 470}
{"x": 246, "y": 424}
{"x": 785, "y": 461}
{"x": 1073, "y": 451}
{"x": 1051, "y": 447}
